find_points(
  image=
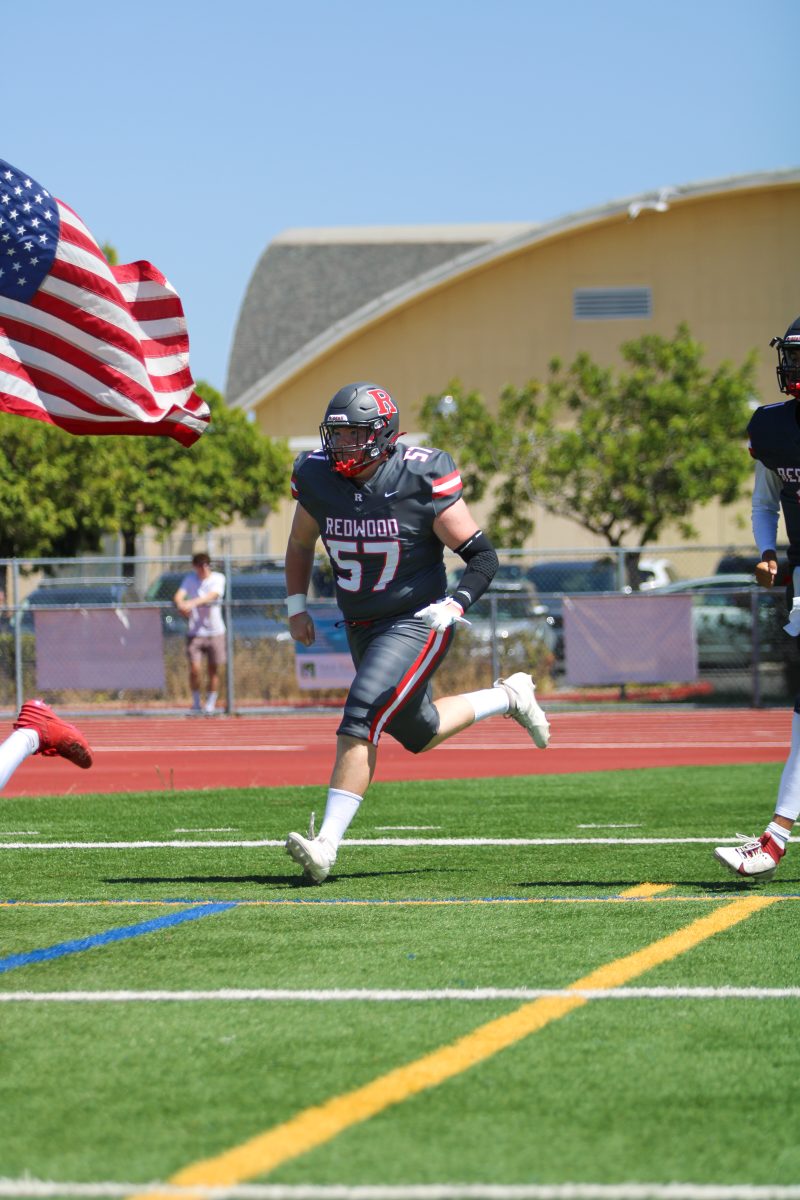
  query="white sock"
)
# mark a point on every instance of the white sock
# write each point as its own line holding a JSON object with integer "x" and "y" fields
{"x": 789, "y": 792}
{"x": 14, "y": 750}
{"x": 488, "y": 702}
{"x": 211, "y": 700}
{"x": 340, "y": 809}
{"x": 780, "y": 834}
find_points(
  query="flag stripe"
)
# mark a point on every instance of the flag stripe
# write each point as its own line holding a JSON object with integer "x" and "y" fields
{"x": 74, "y": 236}
{"x": 165, "y": 308}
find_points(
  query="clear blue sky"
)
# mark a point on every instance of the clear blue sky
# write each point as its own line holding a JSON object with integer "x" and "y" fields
{"x": 191, "y": 133}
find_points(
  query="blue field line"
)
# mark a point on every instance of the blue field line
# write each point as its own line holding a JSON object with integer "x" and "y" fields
{"x": 121, "y": 934}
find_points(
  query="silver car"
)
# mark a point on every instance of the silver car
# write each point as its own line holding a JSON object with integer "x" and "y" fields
{"x": 722, "y": 615}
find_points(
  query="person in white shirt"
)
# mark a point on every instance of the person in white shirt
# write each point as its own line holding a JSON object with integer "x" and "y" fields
{"x": 199, "y": 599}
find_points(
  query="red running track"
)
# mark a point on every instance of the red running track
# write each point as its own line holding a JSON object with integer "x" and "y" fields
{"x": 157, "y": 754}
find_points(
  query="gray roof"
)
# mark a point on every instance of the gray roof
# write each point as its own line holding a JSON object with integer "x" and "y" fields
{"x": 312, "y": 285}
{"x": 307, "y": 280}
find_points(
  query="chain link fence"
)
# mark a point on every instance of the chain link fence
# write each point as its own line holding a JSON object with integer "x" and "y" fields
{"x": 102, "y": 634}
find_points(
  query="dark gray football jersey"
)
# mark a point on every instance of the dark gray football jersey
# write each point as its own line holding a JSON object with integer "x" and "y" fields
{"x": 775, "y": 441}
{"x": 379, "y": 535}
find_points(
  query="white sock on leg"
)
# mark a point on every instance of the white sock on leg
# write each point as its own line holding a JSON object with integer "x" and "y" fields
{"x": 780, "y": 834}
{"x": 488, "y": 702}
{"x": 14, "y": 750}
{"x": 340, "y": 809}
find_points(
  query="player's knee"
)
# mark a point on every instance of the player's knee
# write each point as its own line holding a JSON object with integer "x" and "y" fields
{"x": 416, "y": 741}
{"x": 352, "y": 730}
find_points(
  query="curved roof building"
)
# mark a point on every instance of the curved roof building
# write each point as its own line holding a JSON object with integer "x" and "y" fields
{"x": 414, "y": 307}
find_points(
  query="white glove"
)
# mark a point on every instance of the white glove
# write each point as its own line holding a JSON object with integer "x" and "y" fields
{"x": 793, "y": 627}
{"x": 441, "y": 615}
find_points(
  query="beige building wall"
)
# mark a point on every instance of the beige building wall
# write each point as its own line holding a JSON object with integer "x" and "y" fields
{"x": 722, "y": 262}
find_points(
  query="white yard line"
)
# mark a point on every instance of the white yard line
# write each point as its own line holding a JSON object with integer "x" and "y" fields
{"x": 36, "y": 1188}
{"x": 228, "y": 844}
{"x": 390, "y": 995}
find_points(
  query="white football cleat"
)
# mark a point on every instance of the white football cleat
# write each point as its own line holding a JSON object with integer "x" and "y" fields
{"x": 314, "y": 854}
{"x": 756, "y": 858}
{"x": 523, "y": 707}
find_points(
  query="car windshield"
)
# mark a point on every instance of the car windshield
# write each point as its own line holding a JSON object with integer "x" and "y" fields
{"x": 258, "y": 588}
{"x": 509, "y": 608}
{"x": 247, "y": 587}
{"x": 574, "y": 577}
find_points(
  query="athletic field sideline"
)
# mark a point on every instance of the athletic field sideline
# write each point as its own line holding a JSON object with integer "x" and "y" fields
{"x": 181, "y": 1016}
{"x": 189, "y": 753}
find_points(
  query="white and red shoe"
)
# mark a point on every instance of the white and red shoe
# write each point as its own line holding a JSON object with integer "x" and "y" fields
{"x": 55, "y": 736}
{"x": 756, "y": 858}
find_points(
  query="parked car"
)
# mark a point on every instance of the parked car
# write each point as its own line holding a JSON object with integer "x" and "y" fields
{"x": 722, "y": 619}
{"x": 71, "y": 595}
{"x": 255, "y": 597}
{"x": 518, "y": 611}
{"x": 555, "y": 578}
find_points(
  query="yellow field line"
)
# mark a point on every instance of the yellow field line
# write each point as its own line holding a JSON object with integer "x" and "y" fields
{"x": 315, "y": 1126}
{"x": 645, "y": 891}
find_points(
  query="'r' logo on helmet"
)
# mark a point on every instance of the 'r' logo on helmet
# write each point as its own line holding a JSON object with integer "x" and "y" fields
{"x": 385, "y": 403}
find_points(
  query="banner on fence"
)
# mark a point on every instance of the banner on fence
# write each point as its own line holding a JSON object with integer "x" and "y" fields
{"x": 629, "y": 639}
{"x": 99, "y": 649}
{"x": 326, "y": 664}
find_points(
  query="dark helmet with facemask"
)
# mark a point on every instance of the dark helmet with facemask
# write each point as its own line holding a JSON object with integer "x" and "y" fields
{"x": 360, "y": 427}
{"x": 788, "y": 368}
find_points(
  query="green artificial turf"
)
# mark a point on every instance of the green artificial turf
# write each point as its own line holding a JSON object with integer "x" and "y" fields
{"x": 652, "y": 1090}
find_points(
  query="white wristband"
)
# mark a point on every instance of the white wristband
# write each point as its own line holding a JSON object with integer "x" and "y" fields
{"x": 297, "y": 603}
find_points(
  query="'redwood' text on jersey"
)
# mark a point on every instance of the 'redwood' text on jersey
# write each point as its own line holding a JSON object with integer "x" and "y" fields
{"x": 379, "y": 535}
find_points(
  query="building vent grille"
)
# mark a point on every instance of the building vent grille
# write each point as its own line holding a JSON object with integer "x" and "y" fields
{"x": 604, "y": 304}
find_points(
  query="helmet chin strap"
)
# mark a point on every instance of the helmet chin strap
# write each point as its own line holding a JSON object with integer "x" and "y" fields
{"x": 350, "y": 468}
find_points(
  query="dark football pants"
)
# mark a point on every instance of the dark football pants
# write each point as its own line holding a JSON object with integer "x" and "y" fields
{"x": 395, "y": 660}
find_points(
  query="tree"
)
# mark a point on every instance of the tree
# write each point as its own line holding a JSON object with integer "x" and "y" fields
{"x": 157, "y": 484}
{"x": 643, "y": 448}
{"x": 60, "y": 494}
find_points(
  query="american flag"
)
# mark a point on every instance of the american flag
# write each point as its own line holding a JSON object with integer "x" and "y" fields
{"x": 83, "y": 345}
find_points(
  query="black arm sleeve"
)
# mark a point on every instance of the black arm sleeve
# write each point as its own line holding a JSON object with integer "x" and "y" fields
{"x": 481, "y": 563}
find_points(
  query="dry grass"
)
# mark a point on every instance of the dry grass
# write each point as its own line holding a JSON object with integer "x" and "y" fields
{"x": 264, "y": 674}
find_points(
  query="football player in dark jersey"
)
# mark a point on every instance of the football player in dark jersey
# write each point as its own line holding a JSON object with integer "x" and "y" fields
{"x": 775, "y": 445}
{"x": 385, "y": 512}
